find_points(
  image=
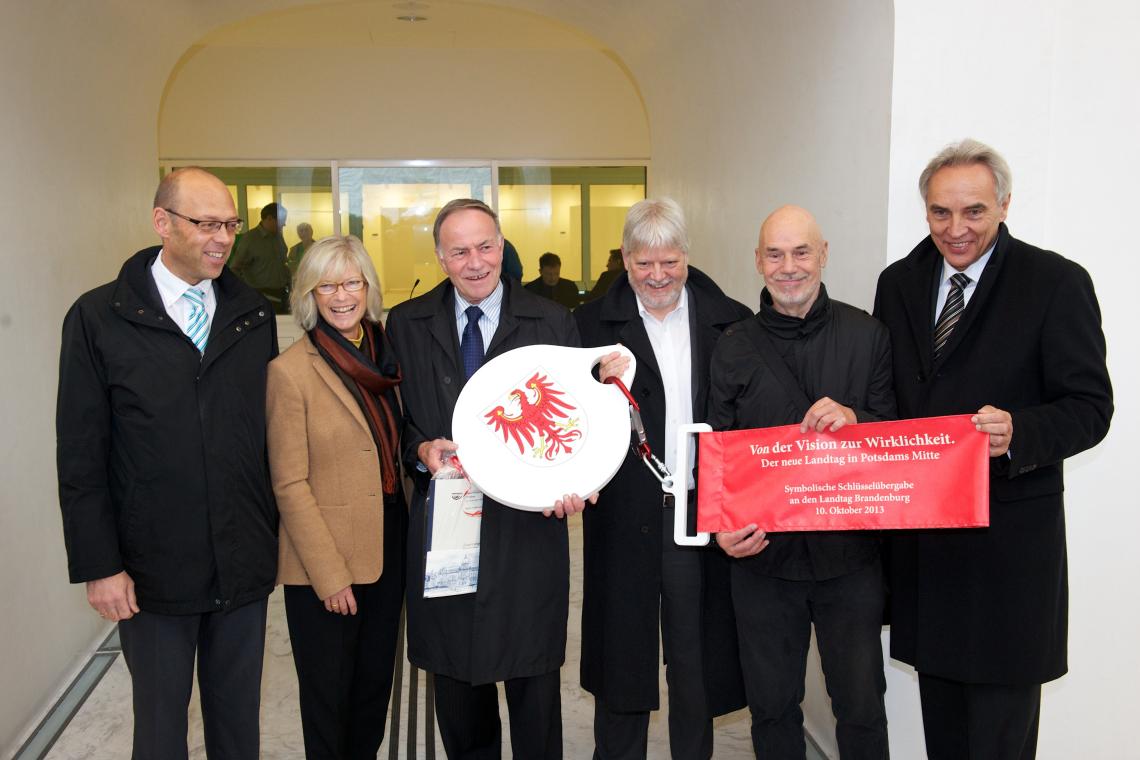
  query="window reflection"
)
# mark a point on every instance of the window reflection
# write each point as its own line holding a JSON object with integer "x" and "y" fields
{"x": 576, "y": 212}
{"x": 392, "y": 210}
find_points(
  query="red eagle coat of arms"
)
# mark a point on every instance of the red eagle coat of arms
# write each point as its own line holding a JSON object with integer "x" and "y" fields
{"x": 538, "y": 420}
{"x": 534, "y": 424}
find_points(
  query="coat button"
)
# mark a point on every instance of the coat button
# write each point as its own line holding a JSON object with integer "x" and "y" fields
{"x": 644, "y": 528}
{"x": 447, "y": 379}
{"x": 920, "y": 377}
{"x": 261, "y": 313}
{"x": 238, "y": 328}
{"x": 247, "y": 323}
{"x": 141, "y": 311}
{"x": 218, "y": 602}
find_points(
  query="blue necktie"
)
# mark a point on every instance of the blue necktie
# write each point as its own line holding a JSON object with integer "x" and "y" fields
{"x": 471, "y": 346}
{"x": 198, "y": 324}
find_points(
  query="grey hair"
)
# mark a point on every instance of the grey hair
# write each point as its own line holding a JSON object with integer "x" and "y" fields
{"x": 327, "y": 260}
{"x": 462, "y": 204}
{"x": 964, "y": 153}
{"x": 654, "y": 223}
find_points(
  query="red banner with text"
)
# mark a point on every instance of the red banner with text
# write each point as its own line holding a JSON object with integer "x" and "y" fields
{"x": 930, "y": 472}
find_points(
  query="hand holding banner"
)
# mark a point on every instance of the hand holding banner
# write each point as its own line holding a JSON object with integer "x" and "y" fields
{"x": 920, "y": 473}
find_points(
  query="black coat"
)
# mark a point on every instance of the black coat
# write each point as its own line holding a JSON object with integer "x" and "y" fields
{"x": 623, "y": 531}
{"x": 515, "y": 624}
{"x": 990, "y": 605}
{"x": 161, "y": 451}
{"x": 836, "y": 351}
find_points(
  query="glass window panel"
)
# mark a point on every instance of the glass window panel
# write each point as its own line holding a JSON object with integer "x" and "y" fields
{"x": 575, "y": 211}
{"x": 393, "y": 210}
{"x": 305, "y": 192}
{"x": 257, "y": 197}
{"x": 543, "y": 217}
{"x": 608, "y": 206}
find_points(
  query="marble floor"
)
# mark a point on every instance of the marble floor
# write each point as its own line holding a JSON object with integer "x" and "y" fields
{"x": 101, "y": 730}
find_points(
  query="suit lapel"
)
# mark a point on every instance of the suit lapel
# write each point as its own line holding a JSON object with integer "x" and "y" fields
{"x": 336, "y": 385}
{"x": 980, "y": 298}
{"x": 507, "y": 326}
{"x": 634, "y": 337}
{"x": 920, "y": 286}
{"x": 703, "y": 336}
{"x": 441, "y": 326}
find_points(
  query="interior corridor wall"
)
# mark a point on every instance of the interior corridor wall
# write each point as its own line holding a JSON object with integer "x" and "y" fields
{"x": 77, "y": 145}
{"x": 80, "y": 85}
{"x": 756, "y": 105}
{"x": 1052, "y": 86}
{"x": 405, "y": 103}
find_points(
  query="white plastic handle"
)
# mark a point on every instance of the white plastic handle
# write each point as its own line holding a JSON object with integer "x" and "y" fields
{"x": 680, "y": 486}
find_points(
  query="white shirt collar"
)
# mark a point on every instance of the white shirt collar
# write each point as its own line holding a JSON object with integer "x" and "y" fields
{"x": 680, "y": 307}
{"x": 490, "y": 304}
{"x": 974, "y": 271}
{"x": 171, "y": 286}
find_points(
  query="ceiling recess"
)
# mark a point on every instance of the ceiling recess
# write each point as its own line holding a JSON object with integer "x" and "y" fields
{"x": 411, "y": 12}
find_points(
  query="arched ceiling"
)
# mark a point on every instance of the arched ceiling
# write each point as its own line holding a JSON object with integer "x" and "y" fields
{"x": 372, "y": 23}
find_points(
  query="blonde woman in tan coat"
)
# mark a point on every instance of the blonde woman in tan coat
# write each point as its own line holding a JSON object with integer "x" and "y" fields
{"x": 334, "y": 424}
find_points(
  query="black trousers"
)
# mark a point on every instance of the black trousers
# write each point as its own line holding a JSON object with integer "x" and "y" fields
{"x": 345, "y": 662}
{"x": 160, "y": 651}
{"x": 625, "y": 736}
{"x": 774, "y": 619}
{"x": 469, "y": 725}
{"x": 968, "y": 721}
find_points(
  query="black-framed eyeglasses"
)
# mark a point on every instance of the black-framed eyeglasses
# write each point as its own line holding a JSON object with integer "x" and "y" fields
{"x": 350, "y": 286}
{"x": 208, "y": 225}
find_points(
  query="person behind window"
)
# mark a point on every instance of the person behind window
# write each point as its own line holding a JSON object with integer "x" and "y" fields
{"x": 614, "y": 268}
{"x": 334, "y": 424}
{"x": 259, "y": 258}
{"x": 550, "y": 283}
{"x": 297, "y": 252}
{"x": 512, "y": 264}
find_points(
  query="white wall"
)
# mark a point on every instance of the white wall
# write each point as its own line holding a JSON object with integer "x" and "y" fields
{"x": 78, "y": 151}
{"x": 1053, "y": 86}
{"x": 754, "y": 105}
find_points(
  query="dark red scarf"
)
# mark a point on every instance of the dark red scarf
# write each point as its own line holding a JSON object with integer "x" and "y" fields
{"x": 374, "y": 374}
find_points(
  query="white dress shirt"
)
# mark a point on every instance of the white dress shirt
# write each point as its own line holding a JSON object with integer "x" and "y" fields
{"x": 673, "y": 350}
{"x": 170, "y": 290}
{"x": 491, "y": 306}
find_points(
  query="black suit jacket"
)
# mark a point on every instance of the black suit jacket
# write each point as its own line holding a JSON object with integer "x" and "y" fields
{"x": 515, "y": 624}
{"x": 990, "y": 605}
{"x": 623, "y": 532}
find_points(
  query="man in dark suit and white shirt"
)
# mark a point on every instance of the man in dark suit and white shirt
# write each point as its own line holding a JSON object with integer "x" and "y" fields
{"x": 512, "y": 628}
{"x": 168, "y": 515}
{"x": 984, "y": 324}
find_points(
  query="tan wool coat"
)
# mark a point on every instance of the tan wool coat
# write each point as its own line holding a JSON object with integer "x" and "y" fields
{"x": 325, "y": 474}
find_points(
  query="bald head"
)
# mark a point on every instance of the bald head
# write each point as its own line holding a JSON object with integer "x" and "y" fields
{"x": 190, "y": 178}
{"x": 790, "y": 220}
{"x": 186, "y": 203}
{"x": 790, "y": 257}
